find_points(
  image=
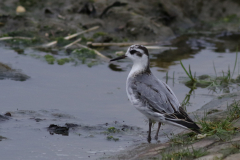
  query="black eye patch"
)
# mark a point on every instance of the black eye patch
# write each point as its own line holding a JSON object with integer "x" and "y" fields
{"x": 139, "y": 54}
{"x": 133, "y": 51}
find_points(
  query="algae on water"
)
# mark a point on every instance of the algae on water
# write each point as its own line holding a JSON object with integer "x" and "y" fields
{"x": 49, "y": 58}
{"x": 84, "y": 56}
{"x": 62, "y": 61}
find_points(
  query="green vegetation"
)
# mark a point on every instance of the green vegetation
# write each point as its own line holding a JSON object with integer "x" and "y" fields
{"x": 186, "y": 100}
{"x": 113, "y": 130}
{"x": 212, "y": 111}
{"x": 84, "y": 53}
{"x": 22, "y": 42}
{"x": 231, "y": 150}
{"x": 234, "y": 111}
{"x": 20, "y": 33}
{"x": 62, "y": 42}
{"x": 192, "y": 78}
{"x": 184, "y": 154}
{"x": 85, "y": 56}
{"x": 231, "y": 18}
{"x": 222, "y": 128}
{"x": 29, "y": 39}
{"x": 212, "y": 83}
{"x": 98, "y": 34}
{"x": 112, "y": 138}
{"x": 63, "y": 61}
{"x": 84, "y": 39}
{"x": 49, "y": 58}
{"x": 183, "y": 139}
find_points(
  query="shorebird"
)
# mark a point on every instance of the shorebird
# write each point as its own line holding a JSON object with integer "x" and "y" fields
{"x": 151, "y": 96}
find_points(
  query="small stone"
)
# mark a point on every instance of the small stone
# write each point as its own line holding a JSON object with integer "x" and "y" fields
{"x": 211, "y": 157}
{"x": 2, "y": 138}
{"x": 8, "y": 114}
{"x": 20, "y": 9}
{"x": 233, "y": 157}
{"x": 201, "y": 136}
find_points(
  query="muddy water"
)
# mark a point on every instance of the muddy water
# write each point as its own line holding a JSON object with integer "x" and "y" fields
{"x": 92, "y": 98}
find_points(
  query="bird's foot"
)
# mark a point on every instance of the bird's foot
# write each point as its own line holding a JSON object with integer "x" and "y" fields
{"x": 149, "y": 139}
{"x": 156, "y": 137}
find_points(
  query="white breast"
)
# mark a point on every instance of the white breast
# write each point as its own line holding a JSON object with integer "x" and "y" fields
{"x": 138, "y": 66}
{"x": 134, "y": 101}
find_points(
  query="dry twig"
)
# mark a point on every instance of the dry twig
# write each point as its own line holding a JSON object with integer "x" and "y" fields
{"x": 95, "y": 51}
{"x": 72, "y": 36}
{"x": 8, "y": 38}
{"x": 160, "y": 47}
{"x": 116, "y": 44}
{"x": 69, "y": 45}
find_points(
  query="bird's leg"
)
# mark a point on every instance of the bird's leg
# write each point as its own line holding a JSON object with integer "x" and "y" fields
{"x": 149, "y": 131}
{"x": 159, "y": 125}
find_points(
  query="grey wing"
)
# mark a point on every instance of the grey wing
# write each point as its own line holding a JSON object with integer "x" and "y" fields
{"x": 158, "y": 96}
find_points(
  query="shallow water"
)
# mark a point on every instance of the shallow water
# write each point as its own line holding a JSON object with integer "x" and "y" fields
{"x": 90, "y": 97}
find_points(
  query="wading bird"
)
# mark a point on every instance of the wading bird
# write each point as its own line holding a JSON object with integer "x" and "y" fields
{"x": 151, "y": 96}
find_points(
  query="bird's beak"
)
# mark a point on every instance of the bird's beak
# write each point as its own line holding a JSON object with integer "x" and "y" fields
{"x": 121, "y": 57}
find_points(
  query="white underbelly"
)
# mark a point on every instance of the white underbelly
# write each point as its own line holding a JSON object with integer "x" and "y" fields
{"x": 134, "y": 101}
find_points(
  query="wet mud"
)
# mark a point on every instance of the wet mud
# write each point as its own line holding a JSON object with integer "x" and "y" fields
{"x": 7, "y": 72}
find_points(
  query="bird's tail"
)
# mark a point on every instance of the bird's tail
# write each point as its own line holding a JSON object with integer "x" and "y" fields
{"x": 181, "y": 119}
{"x": 185, "y": 124}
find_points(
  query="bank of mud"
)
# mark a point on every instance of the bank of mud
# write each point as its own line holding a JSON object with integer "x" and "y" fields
{"x": 213, "y": 147}
{"x": 119, "y": 21}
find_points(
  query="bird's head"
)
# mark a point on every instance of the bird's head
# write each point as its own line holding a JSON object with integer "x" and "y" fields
{"x": 137, "y": 53}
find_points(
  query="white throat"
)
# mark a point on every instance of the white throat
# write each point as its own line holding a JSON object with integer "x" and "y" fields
{"x": 138, "y": 66}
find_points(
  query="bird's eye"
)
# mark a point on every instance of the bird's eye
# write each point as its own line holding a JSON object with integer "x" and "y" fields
{"x": 133, "y": 51}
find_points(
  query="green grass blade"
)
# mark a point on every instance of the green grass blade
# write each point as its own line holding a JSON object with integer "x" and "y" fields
{"x": 185, "y": 69}
{"x": 235, "y": 63}
{"x": 214, "y": 69}
{"x": 190, "y": 72}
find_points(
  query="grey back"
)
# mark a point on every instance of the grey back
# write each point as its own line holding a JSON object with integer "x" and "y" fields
{"x": 153, "y": 93}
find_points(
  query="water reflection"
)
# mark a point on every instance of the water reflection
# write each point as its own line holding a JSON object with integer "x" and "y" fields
{"x": 228, "y": 42}
{"x": 115, "y": 67}
{"x": 169, "y": 57}
{"x": 80, "y": 92}
{"x": 186, "y": 100}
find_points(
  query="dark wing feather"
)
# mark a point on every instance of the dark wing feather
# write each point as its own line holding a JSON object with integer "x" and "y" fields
{"x": 181, "y": 118}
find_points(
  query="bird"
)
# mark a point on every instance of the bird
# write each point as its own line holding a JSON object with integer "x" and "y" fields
{"x": 151, "y": 96}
